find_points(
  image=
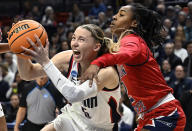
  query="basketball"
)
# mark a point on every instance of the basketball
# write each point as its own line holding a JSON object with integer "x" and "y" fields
{"x": 20, "y": 31}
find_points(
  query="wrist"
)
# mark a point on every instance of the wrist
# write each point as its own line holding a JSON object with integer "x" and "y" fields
{"x": 45, "y": 63}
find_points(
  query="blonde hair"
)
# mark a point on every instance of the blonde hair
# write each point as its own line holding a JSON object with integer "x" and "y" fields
{"x": 114, "y": 47}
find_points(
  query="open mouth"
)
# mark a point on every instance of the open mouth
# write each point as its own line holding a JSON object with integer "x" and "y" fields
{"x": 76, "y": 52}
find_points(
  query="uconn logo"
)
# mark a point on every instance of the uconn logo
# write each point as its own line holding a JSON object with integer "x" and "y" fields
{"x": 90, "y": 102}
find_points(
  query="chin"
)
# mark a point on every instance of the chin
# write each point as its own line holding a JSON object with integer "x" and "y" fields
{"x": 77, "y": 59}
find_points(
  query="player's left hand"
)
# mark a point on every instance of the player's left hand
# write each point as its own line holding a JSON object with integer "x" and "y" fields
{"x": 39, "y": 54}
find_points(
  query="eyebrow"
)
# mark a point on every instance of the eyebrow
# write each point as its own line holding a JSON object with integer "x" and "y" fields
{"x": 122, "y": 10}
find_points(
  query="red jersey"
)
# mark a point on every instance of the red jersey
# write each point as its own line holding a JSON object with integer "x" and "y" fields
{"x": 139, "y": 72}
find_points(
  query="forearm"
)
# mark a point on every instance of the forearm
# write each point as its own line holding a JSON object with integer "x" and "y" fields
{"x": 113, "y": 59}
{"x": 20, "y": 116}
{"x": 68, "y": 89}
{"x": 3, "y": 125}
{"x": 27, "y": 69}
{"x": 4, "y": 47}
{"x": 131, "y": 54}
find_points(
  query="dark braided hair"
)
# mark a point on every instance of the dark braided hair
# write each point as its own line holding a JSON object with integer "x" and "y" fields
{"x": 149, "y": 25}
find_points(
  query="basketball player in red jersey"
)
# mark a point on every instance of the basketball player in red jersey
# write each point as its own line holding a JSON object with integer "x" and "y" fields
{"x": 138, "y": 30}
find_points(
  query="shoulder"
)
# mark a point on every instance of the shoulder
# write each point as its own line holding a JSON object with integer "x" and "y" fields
{"x": 63, "y": 56}
{"x": 108, "y": 77}
{"x": 62, "y": 59}
{"x": 131, "y": 38}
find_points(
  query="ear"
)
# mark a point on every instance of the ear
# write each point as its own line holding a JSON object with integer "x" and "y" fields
{"x": 97, "y": 47}
{"x": 134, "y": 23}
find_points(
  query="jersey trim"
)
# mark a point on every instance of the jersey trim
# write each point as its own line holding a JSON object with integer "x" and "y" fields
{"x": 106, "y": 89}
{"x": 115, "y": 116}
{"x": 70, "y": 66}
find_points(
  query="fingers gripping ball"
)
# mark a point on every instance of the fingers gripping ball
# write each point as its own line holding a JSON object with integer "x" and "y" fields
{"x": 20, "y": 31}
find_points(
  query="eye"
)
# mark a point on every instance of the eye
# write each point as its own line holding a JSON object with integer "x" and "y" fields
{"x": 81, "y": 39}
{"x": 121, "y": 15}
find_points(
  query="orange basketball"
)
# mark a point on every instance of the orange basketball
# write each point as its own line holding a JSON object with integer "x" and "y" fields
{"x": 20, "y": 31}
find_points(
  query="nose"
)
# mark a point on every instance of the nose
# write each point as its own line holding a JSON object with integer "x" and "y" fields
{"x": 74, "y": 43}
{"x": 115, "y": 17}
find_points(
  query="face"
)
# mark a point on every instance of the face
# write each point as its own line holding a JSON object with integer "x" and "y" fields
{"x": 122, "y": 20}
{"x": 166, "y": 65}
{"x": 178, "y": 42}
{"x": 168, "y": 49}
{"x": 83, "y": 45}
{"x": 64, "y": 45}
{"x": 179, "y": 72}
{"x": 189, "y": 48}
{"x": 14, "y": 100}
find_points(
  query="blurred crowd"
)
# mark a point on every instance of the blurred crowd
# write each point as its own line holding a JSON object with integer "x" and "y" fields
{"x": 174, "y": 55}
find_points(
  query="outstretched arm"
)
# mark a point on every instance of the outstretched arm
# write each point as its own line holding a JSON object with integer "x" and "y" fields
{"x": 31, "y": 71}
{"x": 4, "y": 47}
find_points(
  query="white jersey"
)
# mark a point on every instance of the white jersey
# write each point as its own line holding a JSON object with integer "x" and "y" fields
{"x": 1, "y": 111}
{"x": 100, "y": 111}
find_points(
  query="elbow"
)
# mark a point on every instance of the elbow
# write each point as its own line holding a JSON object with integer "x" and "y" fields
{"x": 26, "y": 78}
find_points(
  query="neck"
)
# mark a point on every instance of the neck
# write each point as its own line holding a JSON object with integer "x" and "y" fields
{"x": 85, "y": 64}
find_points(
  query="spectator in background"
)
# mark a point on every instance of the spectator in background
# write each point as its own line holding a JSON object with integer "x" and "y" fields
{"x": 158, "y": 53}
{"x": 181, "y": 82}
{"x": 181, "y": 18}
{"x": 178, "y": 50}
{"x": 160, "y": 8}
{"x": 171, "y": 14}
{"x": 12, "y": 62}
{"x": 101, "y": 20}
{"x": 167, "y": 72}
{"x": 48, "y": 17}
{"x": 39, "y": 101}
{"x": 109, "y": 14}
{"x": 8, "y": 76}
{"x": 36, "y": 13}
{"x": 170, "y": 56}
{"x": 69, "y": 34}
{"x": 98, "y": 7}
{"x": 55, "y": 41}
{"x": 4, "y": 86}
{"x": 189, "y": 5}
{"x": 64, "y": 46}
{"x": 188, "y": 61}
{"x": 180, "y": 32}
{"x": 76, "y": 17}
{"x": 171, "y": 30}
{"x": 61, "y": 31}
{"x": 12, "y": 108}
{"x": 188, "y": 29}
{"x": 186, "y": 102}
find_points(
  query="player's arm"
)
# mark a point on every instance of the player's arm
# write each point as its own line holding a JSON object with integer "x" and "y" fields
{"x": 75, "y": 93}
{"x": 108, "y": 78}
{"x": 30, "y": 71}
{"x": 4, "y": 47}
{"x": 20, "y": 117}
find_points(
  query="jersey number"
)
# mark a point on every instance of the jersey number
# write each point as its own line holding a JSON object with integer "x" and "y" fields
{"x": 86, "y": 113}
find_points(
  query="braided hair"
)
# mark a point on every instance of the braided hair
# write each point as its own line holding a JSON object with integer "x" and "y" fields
{"x": 149, "y": 25}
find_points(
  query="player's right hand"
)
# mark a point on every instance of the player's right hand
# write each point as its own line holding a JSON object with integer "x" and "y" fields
{"x": 90, "y": 74}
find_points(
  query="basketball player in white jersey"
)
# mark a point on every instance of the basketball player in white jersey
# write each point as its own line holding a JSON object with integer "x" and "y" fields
{"x": 89, "y": 109}
{"x": 4, "y": 47}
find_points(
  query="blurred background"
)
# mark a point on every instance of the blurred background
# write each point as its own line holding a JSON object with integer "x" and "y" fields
{"x": 61, "y": 17}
